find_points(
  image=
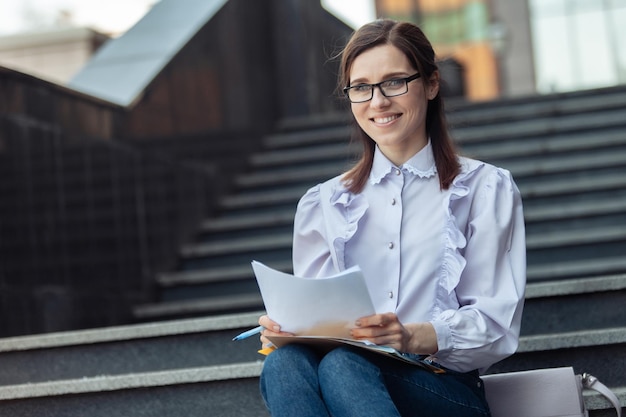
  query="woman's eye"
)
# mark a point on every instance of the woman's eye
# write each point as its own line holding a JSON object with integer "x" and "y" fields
{"x": 361, "y": 88}
{"x": 393, "y": 83}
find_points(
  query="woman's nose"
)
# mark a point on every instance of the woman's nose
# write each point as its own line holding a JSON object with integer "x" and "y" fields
{"x": 378, "y": 98}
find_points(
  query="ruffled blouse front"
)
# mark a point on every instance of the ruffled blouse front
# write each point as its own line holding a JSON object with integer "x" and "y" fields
{"x": 455, "y": 258}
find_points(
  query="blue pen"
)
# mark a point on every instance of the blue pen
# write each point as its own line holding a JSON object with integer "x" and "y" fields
{"x": 249, "y": 333}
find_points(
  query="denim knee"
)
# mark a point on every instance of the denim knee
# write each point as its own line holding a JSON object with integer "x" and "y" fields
{"x": 289, "y": 382}
{"x": 293, "y": 357}
{"x": 342, "y": 367}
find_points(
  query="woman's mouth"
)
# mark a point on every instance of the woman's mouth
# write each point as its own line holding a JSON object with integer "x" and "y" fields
{"x": 386, "y": 119}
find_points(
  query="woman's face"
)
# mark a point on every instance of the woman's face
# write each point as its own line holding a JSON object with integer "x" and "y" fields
{"x": 397, "y": 124}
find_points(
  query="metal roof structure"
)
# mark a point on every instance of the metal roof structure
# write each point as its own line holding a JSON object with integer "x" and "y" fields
{"x": 122, "y": 68}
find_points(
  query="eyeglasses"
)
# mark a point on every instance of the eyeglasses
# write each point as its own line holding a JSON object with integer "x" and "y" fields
{"x": 389, "y": 88}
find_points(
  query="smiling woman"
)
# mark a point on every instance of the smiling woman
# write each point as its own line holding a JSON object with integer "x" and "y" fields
{"x": 439, "y": 239}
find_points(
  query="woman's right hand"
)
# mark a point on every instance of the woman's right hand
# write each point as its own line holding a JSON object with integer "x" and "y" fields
{"x": 271, "y": 328}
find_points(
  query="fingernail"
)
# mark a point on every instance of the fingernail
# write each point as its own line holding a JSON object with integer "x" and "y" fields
{"x": 276, "y": 328}
{"x": 357, "y": 323}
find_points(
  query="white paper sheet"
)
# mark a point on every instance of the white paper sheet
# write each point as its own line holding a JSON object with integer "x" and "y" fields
{"x": 314, "y": 307}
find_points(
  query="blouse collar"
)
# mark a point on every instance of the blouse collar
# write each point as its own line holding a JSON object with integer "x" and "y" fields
{"x": 422, "y": 164}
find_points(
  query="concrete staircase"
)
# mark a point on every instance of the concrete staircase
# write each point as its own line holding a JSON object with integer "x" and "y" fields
{"x": 568, "y": 155}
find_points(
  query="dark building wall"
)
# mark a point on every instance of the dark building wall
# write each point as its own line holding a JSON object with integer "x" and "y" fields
{"x": 251, "y": 65}
{"x": 77, "y": 114}
{"x": 307, "y": 40}
{"x": 85, "y": 225}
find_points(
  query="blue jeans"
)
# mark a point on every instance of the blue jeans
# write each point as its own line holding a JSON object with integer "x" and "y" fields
{"x": 298, "y": 381}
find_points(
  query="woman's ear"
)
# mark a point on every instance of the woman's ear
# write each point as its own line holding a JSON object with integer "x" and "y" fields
{"x": 432, "y": 86}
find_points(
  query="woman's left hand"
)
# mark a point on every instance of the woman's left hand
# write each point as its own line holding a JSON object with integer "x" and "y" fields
{"x": 386, "y": 330}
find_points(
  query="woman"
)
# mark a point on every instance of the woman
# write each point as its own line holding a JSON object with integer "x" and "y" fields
{"x": 439, "y": 237}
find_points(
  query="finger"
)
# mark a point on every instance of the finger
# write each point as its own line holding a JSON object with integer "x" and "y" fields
{"x": 369, "y": 321}
{"x": 369, "y": 333}
{"x": 388, "y": 340}
{"x": 269, "y": 324}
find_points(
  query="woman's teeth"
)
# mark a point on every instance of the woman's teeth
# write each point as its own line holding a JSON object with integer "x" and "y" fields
{"x": 385, "y": 119}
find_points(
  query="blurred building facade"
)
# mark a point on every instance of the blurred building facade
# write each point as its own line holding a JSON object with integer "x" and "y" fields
{"x": 55, "y": 54}
{"x": 511, "y": 48}
{"x": 489, "y": 39}
{"x": 578, "y": 44}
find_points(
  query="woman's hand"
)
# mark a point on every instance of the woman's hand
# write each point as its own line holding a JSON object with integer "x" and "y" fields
{"x": 386, "y": 330}
{"x": 271, "y": 329}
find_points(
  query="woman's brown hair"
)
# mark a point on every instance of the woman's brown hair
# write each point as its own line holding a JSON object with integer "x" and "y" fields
{"x": 409, "y": 39}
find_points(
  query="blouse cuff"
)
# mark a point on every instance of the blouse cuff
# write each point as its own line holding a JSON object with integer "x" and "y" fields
{"x": 444, "y": 337}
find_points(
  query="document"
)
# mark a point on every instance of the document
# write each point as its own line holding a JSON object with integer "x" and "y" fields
{"x": 320, "y": 312}
{"x": 314, "y": 307}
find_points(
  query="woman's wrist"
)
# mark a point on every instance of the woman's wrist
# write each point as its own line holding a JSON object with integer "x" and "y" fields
{"x": 422, "y": 338}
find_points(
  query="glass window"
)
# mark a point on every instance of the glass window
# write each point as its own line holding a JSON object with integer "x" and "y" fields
{"x": 578, "y": 44}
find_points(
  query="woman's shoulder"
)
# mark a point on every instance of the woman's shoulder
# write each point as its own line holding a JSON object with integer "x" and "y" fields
{"x": 474, "y": 171}
{"x": 322, "y": 192}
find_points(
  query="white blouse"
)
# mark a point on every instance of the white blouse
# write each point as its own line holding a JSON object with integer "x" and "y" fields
{"x": 455, "y": 258}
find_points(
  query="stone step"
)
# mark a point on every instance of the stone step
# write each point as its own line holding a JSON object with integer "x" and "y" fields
{"x": 565, "y": 238}
{"x": 554, "y": 144}
{"x": 232, "y": 389}
{"x": 536, "y": 106}
{"x": 548, "y": 126}
{"x": 138, "y": 348}
{"x": 306, "y": 137}
{"x": 237, "y": 245}
{"x": 576, "y": 268}
{"x": 199, "y": 306}
{"x": 223, "y": 390}
{"x": 592, "y": 302}
{"x": 600, "y": 352}
{"x": 304, "y": 154}
{"x": 285, "y": 195}
{"x": 228, "y": 224}
{"x": 541, "y": 219}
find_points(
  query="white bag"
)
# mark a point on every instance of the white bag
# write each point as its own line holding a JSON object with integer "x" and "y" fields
{"x": 552, "y": 392}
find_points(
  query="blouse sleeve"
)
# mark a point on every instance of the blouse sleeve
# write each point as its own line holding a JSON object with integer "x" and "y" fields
{"x": 490, "y": 292}
{"x": 311, "y": 253}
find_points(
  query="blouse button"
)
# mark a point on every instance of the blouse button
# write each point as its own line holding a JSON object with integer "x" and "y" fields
{"x": 393, "y": 201}
{"x": 390, "y": 245}
{"x": 397, "y": 171}
{"x": 390, "y": 294}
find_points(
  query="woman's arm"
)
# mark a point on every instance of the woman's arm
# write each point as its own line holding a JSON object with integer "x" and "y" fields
{"x": 490, "y": 291}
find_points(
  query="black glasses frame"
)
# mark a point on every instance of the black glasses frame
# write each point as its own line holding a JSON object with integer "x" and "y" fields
{"x": 346, "y": 90}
